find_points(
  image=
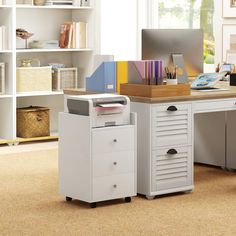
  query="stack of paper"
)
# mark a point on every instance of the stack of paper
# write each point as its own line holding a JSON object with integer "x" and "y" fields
{"x": 57, "y": 2}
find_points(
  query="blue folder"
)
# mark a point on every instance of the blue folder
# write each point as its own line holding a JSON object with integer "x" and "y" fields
{"x": 103, "y": 79}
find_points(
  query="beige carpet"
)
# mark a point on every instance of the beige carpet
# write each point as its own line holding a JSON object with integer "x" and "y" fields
{"x": 30, "y": 204}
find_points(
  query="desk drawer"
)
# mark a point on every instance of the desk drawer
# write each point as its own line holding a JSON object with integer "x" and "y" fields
{"x": 171, "y": 170}
{"x": 113, "y": 163}
{"x": 112, "y": 187}
{"x": 112, "y": 139}
{"x": 208, "y": 106}
{"x": 171, "y": 125}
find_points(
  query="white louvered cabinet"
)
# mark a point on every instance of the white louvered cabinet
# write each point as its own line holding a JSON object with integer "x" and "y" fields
{"x": 165, "y": 155}
{"x": 171, "y": 125}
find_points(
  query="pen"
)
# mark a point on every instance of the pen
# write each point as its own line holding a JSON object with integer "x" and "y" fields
{"x": 175, "y": 72}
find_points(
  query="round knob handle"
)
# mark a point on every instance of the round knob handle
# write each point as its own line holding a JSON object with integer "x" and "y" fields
{"x": 114, "y": 163}
{"x": 114, "y": 186}
{"x": 115, "y": 140}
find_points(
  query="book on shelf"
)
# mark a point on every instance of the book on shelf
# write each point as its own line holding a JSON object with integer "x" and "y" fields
{"x": 2, "y": 77}
{"x": 3, "y": 38}
{"x": 73, "y": 35}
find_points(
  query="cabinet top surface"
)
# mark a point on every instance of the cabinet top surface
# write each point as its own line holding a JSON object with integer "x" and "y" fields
{"x": 195, "y": 95}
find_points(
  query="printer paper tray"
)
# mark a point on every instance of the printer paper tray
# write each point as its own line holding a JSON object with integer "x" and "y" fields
{"x": 111, "y": 105}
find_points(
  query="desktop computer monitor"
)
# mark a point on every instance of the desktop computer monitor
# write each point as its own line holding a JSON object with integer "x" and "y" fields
{"x": 163, "y": 44}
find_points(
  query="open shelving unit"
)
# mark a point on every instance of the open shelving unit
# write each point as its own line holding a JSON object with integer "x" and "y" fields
{"x": 44, "y": 22}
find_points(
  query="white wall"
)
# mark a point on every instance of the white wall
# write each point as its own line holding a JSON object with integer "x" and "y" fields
{"x": 119, "y": 28}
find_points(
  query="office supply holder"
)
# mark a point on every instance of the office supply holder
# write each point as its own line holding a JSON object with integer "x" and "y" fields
{"x": 151, "y": 91}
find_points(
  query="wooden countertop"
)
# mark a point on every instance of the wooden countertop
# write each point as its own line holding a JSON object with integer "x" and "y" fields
{"x": 195, "y": 95}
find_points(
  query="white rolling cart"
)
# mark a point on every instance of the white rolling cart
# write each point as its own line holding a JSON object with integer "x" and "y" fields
{"x": 97, "y": 149}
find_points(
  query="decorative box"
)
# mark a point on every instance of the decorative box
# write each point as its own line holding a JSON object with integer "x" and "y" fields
{"x": 33, "y": 79}
{"x": 2, "y": 78}
{"x": 64, "y": 78}
{"x": 33, "y": 122}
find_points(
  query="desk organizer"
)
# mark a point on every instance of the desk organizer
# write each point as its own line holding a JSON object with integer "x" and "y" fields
{"x": 141, "y": 90}
{"x": 33, "y": 79}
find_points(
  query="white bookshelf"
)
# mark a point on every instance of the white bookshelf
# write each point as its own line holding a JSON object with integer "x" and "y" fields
{"x": 44, "y": 22}
{"x": 54, "y": 7}
{"x": 55, "y": 50}
{"x": 33, "y": 94}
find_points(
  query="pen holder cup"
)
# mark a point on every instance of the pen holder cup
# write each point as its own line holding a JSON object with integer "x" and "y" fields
{"x": 171, "y": 81}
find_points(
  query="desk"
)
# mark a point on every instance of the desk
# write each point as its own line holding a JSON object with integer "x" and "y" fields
{"x": 199, "y": 127}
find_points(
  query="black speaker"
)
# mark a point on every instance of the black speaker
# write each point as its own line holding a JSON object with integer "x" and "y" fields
{"x": 232, "y": 79}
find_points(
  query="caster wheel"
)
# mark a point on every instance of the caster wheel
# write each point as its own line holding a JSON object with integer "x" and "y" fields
{"x": 150, "y": 197}
{"x": 128, "y": 199}
{"x": 93, "y": 205}
{"x": 188, "y": 191}
{"x": 68, "y": 199}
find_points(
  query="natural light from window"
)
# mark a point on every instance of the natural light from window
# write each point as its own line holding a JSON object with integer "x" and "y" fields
{"x": 188, "y": 14}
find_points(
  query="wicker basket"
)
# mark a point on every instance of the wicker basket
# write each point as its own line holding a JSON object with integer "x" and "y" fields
{"x": 33, "y": 122}
{"x": 34, "y": 79}
{"x": 2, "y": 78}
{"x": 64, "y": 78}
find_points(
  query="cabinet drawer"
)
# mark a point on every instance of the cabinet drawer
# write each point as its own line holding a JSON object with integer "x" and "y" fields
{"x": 171, "y": 125}
{"x": 171, "y": 170}
{"x": 214, "y": 105}
{"x": 113, "y": 163}
{"x": 112, "y": 187}
{"x": 112, "y": 139}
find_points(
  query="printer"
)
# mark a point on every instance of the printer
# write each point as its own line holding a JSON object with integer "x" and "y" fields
{"x": 103, "y": 109}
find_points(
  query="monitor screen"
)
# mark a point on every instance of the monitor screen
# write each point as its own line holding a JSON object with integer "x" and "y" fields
{"x": 161, "y": 44}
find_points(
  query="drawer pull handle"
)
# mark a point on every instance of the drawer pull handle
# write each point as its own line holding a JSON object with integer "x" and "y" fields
{"x": 115, "y": 140}
{"x": 115, "y": 163}
{"x": 172, "y": 108}
{"x": 172, "y": 152}
{"x": 114, "y": 186}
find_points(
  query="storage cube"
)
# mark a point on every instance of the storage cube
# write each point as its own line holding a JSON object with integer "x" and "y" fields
{"x": 2, "y": 78}
{"x": 64, "y": 78}
{"x": 33, "y": 79}
{"x": 33, "y": 122}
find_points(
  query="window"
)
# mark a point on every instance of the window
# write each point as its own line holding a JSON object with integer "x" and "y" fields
{"x": 188, "y": 14}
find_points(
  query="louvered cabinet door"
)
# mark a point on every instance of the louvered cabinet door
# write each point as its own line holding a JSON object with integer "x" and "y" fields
{"x": 171, "y": 168}
{"x": 171, "y": 125}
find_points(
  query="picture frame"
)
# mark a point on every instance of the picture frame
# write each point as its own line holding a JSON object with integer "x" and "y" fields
{"x": 228, "y": 40}
{"x": 229, "y": 8}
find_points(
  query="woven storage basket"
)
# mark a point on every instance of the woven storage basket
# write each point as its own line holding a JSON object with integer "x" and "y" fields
{"x": 33, "y": 122}
{"x": 64, "y": 78}
{"x": 33, "y": 79}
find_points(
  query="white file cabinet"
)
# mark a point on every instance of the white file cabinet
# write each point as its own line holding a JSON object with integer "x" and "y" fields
{"x": 165, "y": 155}
{"x": 96, "y": 164}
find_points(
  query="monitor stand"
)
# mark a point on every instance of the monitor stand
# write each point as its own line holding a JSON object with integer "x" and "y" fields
{"x": 178, "y": 60}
